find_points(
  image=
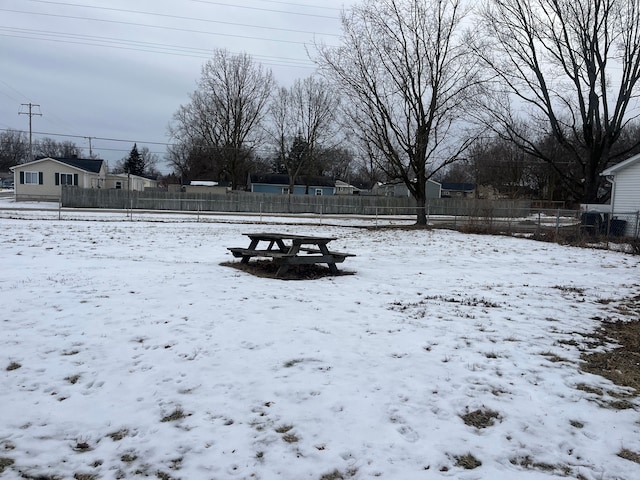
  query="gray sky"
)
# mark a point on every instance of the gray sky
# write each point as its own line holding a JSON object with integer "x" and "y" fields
{"x": 120, "y": 69}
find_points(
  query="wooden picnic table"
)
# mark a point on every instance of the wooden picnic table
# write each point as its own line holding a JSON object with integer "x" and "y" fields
{"x": 286, "y": 249}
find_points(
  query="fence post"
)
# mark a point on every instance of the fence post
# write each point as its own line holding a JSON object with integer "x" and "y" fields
{"x": 557, "y": 224}
{"x": 260, "y": 212}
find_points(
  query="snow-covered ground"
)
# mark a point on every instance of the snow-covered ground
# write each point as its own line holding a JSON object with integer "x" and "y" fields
{"x": 127, "y": 350}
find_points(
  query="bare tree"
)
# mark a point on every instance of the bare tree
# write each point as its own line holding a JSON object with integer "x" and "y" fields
{"x": 226, "y": 111}
{"x": 14, "y": 148}
{"x": 572, "y": 68}
{"x": 302, "y": 122}
{"x": 48, "y": 147}
{"x": 407, "y": 75}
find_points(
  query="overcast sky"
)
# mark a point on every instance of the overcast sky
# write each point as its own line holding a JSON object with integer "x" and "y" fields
{"x": 120, "y": 69}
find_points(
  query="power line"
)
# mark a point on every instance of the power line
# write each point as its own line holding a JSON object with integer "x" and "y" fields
{"x": 178, "y": 17}
{"x": 97, "y": 41}
{"x": 298, "y": 5}
{"x": 135, "y": 24}
{"x": 262, "y": 9}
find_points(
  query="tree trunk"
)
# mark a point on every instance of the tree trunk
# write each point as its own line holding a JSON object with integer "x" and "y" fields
{"x": 421, "y": 211}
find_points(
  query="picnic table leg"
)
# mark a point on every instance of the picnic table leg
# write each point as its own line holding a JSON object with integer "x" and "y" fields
{"x": 293, "y": 251}
{"x": 252, "y": 246}
{"x": 325, "y": 251}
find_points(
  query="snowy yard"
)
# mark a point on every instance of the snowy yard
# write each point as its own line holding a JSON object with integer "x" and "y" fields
{"x": 127, "y": 351}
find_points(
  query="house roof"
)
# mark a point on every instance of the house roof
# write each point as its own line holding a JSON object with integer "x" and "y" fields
{"x": 621, "y": 166}
{"x": 467, "y": 187}
{"x": 86, "y": 164}
{"x": 281, "y": 179}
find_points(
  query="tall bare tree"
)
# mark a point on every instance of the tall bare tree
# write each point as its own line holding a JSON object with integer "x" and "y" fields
{"x": 14, "y": 148}
{"x": 226, "y": 111}
{"x": 570, "y": 68}
{"x": 408, "y": 75}
{"x": 48, "y": 147}
{"x": 302, "y": 121}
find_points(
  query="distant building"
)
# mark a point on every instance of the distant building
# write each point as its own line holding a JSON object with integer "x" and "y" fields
{"x": 344, "y": 188}
{"x": 279, "y": 183}
{"x": 458, "y": 190}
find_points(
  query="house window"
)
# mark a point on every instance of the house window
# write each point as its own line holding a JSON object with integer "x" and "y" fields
{"x": 318, "y": 191}
{"x": 66, "y": 179}
{"x": 31, "y": 178}
{"x": 118, "y": 185}
{"x": 285, "y": 190}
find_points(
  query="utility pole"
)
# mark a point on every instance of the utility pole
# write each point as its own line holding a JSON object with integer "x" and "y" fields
{"x": 31, "y": 114}
{"x": 90, "y": 150}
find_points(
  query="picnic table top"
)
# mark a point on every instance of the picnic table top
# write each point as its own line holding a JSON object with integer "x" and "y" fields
{"x": 289, "y": 236}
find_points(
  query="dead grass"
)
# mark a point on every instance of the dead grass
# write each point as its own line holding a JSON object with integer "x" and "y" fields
{"x": 268, "y": 269}
{"x": 176, "y": 414}
{"x": 629, "y": 455}
{"x": 468, "y": 462}
{"x": 13, "y": 366}
{"x": 620, "y": 364}
{"x": 480, "y": 418}
{"x": 338, "y": 475}
{"x": 5, "y": 462}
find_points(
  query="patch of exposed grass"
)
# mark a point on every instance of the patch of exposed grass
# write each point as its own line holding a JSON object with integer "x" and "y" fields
{"x": 269, "y": 269}
{"x": 529, "y": 463}
{"x": 13, "y": 366}
{"x": 338, "y": 475}
{"x": 468, "y": 462}
{"x": 5, "y": 462}
{"x": 85, "y": 476}
{"x": 128, "y": 457}
{"x": 570, "y": 289}
{"x": 176, "y": 414}
{"x": 552, "y": 357}
{"x": 73, "y": 379}
{"x": 480, "y": 418}
{"x": 629, "y": 455}
{"x": 290, "y": 438}
{"x": 284, "y": 428}
{"x": 620, "y": 365}
{"x": 119, "y": 435}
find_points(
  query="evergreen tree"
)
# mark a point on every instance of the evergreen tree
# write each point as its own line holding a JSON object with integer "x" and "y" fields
{"x": 134, "y": 164}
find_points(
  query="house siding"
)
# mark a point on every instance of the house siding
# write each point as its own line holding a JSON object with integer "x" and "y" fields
{"x": 625, "y": 200}
{"x": 627, "y": 193}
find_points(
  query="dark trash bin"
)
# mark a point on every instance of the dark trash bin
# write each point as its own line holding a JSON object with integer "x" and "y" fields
{"x": 617, "y": 227}
{"x": 591, "y": 222}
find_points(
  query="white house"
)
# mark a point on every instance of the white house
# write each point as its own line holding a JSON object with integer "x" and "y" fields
{"x": 125, "y": 181}
{"x": 43, "y": 179}
{"x": 625, "y": 190}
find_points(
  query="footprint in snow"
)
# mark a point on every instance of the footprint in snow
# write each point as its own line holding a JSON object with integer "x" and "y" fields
{"x": 409, "y": 434}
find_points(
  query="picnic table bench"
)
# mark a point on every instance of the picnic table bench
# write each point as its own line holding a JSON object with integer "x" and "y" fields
{"x": 286, "y": 249}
